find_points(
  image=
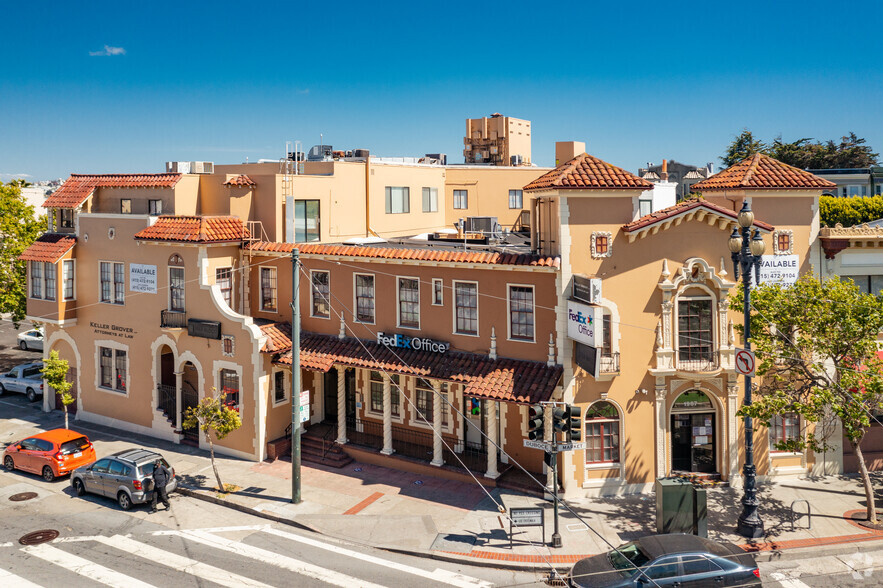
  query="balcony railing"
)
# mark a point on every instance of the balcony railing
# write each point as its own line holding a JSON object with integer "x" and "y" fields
{"x": 610, "y": 363}
{"x": 698, "y": 362}
{"x": 167, "y": 396}
{"x": 172, "y": 319}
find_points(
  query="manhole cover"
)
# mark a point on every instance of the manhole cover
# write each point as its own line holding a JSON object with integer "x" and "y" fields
{"x": 38, "y": 537}
{"x": 23, "y": 496}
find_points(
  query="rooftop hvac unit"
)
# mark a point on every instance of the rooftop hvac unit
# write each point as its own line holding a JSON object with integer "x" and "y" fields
{"x": 486, "y": 225}
{"x": 201, "y": 167}
{"x": 516, "y": 159}
{"x": 361, "y": 153}
{"x": 178, "y": 167}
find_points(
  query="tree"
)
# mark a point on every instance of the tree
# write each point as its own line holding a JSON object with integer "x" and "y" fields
{"x": 213, "y": 416}
{"x": 743, "y": 147}
{"x": 55, "y": 373}
{"x": 817, "y": 356}
{"x": 18, "y": 229}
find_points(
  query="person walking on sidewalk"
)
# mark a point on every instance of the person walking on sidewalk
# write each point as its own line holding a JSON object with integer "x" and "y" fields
{"x": 161, "y": 478}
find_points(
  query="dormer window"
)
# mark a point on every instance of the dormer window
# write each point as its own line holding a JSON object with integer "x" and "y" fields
{"x": 66, "y": 218}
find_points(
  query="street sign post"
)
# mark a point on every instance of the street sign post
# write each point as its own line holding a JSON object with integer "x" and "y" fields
{"x": 570, "y": 446}
{"x": 745, "y": 362}
{"x": 538, "y": 445}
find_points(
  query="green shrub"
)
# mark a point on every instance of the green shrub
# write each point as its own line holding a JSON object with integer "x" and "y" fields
{"x": 849, "y": 211}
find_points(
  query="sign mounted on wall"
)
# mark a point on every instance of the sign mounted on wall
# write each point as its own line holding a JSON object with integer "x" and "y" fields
{"x": 142, "y": 278}
{"x": 408, "y": 342}
{"x": 584, "y": 323}
{"x": 779, "y": 269}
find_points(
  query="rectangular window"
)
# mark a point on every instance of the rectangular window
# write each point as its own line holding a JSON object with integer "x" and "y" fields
{"x": 120, "y": 365}
{"x": 154, "y": 207}
{"x": 438, "y": 288}
{"x": 430, "y": 199}
{"x": 306, "y": 221}
{"x": 868, "y": 284}
{"x": 516, "y": 199}
{"x": 645, "y": 207}
{"x": 104, "y": 276}
{"x": 111, "y": 275}
{"x": 398, "y": 200}
{"x": 466, "y": 308}
{"x": 113, "y": 368}
{"x": 176, "y": 289}
{"x": 376, "y": 392}
{"x": 67, "y": 218}
{"x": 783, "y": 240}
{"x": 461, "y": 199}
{"x": 106, "y": 367}
{"x": 279, "y": 387}
{"x": 695, "y": 337}
{"x": 230, "y": 387}
{"x": 37, "y": 279}
{"x": 606, "y": 337}
{"x": 409, "y": 303}
{"x": 365, "y": 298}
{"x": 119, "y": 283}
{"x": 50, "y": 271}
{"x": 67, "y": 277}
{"x": 125, "y": 206}
{"x": 784, "y": 428}
{"x": 602, "y": 441}
{"x": 320, "y": 293}
{"x": 425, "y": 395}
{"x": 224, "y": 280}
{"x": 268, "y": 289}
{"x": 521, "y": 313}
{"x": 601, "y": 244}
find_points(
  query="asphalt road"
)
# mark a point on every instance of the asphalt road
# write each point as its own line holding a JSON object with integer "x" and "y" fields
{"x": 10, "y": 354}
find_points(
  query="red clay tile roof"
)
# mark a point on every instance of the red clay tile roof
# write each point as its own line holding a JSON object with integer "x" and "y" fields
{"x": 79, "y": 187}
{"x": 684, "y": 207}
{"x": 240, "y": 180}
{"x": 278, "y": 336}
{"x": 586, "y": 172}
{"x": 49, "y": 247}
{"x": 509, "y": 380}
{"x": 481, "y": 257}
{"x": 195, "y": 229}
{"x": 761, "y": 172}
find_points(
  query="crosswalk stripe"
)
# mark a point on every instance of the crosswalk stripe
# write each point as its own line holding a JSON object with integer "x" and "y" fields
{"x": 787, "y": 581}
{"x": 83, "y": 567}
{"x": 439, "y": 575}
{"x": 278, "y": 560}
{"x": 10, "y": 580}
{"x": 180, "y": 563}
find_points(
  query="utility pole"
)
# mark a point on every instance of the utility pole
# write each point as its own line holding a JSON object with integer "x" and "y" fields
{"x": 295, "y": 377}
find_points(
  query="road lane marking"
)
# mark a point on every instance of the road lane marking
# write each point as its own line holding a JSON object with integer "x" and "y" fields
{"x": 10, "y": 580}
{"x": 216, "y": 529}
{"x": 180, "y": 563}
{"x": 278, "y": 560}
{"x": 439, "y": 575}
{"x": 83, "y": 567}
{"x": 787, "y": 581}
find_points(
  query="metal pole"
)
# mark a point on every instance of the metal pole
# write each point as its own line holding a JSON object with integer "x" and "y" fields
{"x": 295, "y": 377}
{"x": 556, "y": 536}
{"x": 749, "y": 524}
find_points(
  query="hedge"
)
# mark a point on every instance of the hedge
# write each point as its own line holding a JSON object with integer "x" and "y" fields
{"x": 850, "y": 211}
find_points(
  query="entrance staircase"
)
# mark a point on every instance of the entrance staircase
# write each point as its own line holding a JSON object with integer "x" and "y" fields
{"x": 317, "y": 445}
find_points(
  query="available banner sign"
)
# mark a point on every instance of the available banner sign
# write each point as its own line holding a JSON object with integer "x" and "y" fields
{"x": 778, "y": 269}
{"x": 142, "y": 278}
{"x": 584, "y": 323}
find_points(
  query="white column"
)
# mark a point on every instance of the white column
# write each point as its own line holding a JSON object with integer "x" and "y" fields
{"x": 492, "y": 437}
{"x": 387, "y": 415}
{"x": 661, "y": 427}
{"x": 341, "y": 405}
{"x": 735, "y": 477}
{"x": 179, "y": 385}
{"x": 437, "y": 407}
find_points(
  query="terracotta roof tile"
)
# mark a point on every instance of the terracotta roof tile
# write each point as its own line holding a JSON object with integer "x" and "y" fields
{"x": 683, "y": 207}
{"x": 240, "y": 180}
{"x": 477, "y": 257}
{"x": 49, "y": 247}
{"x": 195, "y": 229}
{"x": 761, "y": 172}
{"x": 509, "y": 380}
{"x": 79, "y": 187}
{"x": 278, "y": 335}
{"x": 586, "y": 172}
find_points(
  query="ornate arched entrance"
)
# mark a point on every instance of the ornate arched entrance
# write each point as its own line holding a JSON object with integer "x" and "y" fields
{"x": 694, "y": 422}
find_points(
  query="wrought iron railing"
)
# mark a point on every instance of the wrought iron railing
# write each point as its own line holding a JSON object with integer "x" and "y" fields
{"x": 365, "y": 433}
{"x": 167, "y": 400}
{"x": 172, "y": 319}
{"x": 466, "y": 453}
{"x": 610, "y": 363}
{"x": 698, "y": 362}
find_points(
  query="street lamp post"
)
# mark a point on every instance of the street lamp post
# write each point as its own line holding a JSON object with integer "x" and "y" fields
{"x": 746, "y": 252}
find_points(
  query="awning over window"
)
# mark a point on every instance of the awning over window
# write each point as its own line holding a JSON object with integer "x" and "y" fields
{"x": 507, "y": 380}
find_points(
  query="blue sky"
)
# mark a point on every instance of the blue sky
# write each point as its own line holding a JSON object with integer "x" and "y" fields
{"x": 104, "y": 87}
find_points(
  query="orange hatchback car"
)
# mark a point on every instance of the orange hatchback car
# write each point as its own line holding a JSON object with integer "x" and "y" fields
{"x": 50, "y": 454}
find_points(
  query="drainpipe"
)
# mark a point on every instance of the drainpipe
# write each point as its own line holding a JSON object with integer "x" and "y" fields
{"x": 367, "y": 197}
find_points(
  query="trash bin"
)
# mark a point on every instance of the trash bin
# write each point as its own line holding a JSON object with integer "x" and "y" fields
{"x": 700, "y": 512}
{"x": 674, "y": 506}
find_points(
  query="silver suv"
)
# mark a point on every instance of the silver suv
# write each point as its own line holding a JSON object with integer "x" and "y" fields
{"x": 126, "y": 476}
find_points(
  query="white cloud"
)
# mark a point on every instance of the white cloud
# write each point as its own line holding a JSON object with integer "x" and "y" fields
{"x": 108, "y": 51}
{"x": 15, "y": 176}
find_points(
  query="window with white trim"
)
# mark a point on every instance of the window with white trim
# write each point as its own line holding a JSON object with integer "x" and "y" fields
{"x": 695, "y": 330}
{"x": 279, "y": 387}
{"x": 112, "y": 282}
{"x": 268, "y": 289}
{"x": 521, "y": 313}
{"x": 43, "y": 276}
{"x": 784, "y": 428}
{"x": 461, "y": 199}
{"x": 365, "y": 298}
{"x": 320, "y": 293}
{"x": 50, "y": 273}
{"x": 224, "y": 280}
{"x": 37, "y": 280}
{"x": 176, "y": 289}
{"x": 230, "y": 387}
{"x": 466, "y": 308}
{"x": 601, "y": 244}
{"x": 67, "y": 279}
{"x": 602, "y": 433}
{"x": 113, "y": 368}
{"x": 430, "y": 199}
{"x": 409, "y": 302}
{"x": 438, "y": 292}
{"x": 377, "y": 393}
{"x": 398, "y": 199}
{"x": 426, "y": 399}
{"x": 516, "y": 199}
{"x": 783, "y": 242}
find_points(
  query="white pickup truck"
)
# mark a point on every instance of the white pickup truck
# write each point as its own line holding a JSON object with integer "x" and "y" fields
{"x": 25, "y": 379}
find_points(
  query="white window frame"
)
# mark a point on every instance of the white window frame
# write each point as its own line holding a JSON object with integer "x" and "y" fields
{"x": 41, "y": 280}
{"x": 400, "y": 418}
{"x": 286, "y": 388}
{"x": 45, "y": 268}
{"x": 440, "y": 285}
{"x": 356, "y": 298}
{"x": 113, "y": 265}
{"x": 114, "y": 346}
{"x": 399, "y": 302}
{"x": 417, "y": 421}
{"x": 460, "y": 199}
{"x": 274, "y": 277}
{"x": 454, "y": 308}
{"x": 220, "y": 269}
{"x": 73, "y": 266}
{"x": 219, "y": 365}
{"x": 519, "y": 195}
{"x": 432, "y": 193}
{"x": 509, "y": 312}
{"x": 313, "y": 295}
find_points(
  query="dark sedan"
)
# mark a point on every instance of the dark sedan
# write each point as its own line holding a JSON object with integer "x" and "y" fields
{"x": 668, "y": 560}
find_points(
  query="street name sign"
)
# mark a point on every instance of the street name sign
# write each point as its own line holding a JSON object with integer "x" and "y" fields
{"x": 538, "y": 445}
{"x": 570, "y": 446}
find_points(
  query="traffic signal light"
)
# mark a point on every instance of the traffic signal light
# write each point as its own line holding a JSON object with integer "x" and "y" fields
{"x": 575, "y": 431}
{"x": 567, "y": 421}
{"x": 535, "y": 422}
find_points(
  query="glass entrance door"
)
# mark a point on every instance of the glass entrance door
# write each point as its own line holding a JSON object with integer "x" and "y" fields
{"x": 692, "y": 442}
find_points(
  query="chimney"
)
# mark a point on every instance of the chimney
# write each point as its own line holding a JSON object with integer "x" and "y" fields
{"x": 664, "y": 174}
{"x": 567, "y": 150}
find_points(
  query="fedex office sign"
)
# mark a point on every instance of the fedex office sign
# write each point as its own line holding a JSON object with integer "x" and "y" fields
{"x": 406, "y": 342}
{"x": 584, "y": 323}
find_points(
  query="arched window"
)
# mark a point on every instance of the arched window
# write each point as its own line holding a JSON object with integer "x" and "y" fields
{"x": 602, "y": 433}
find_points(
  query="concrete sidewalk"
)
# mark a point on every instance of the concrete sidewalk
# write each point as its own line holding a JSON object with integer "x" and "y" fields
{"x": 462, "y": 521}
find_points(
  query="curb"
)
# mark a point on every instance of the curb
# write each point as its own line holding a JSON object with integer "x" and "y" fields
{"x": 796, "y": 553}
